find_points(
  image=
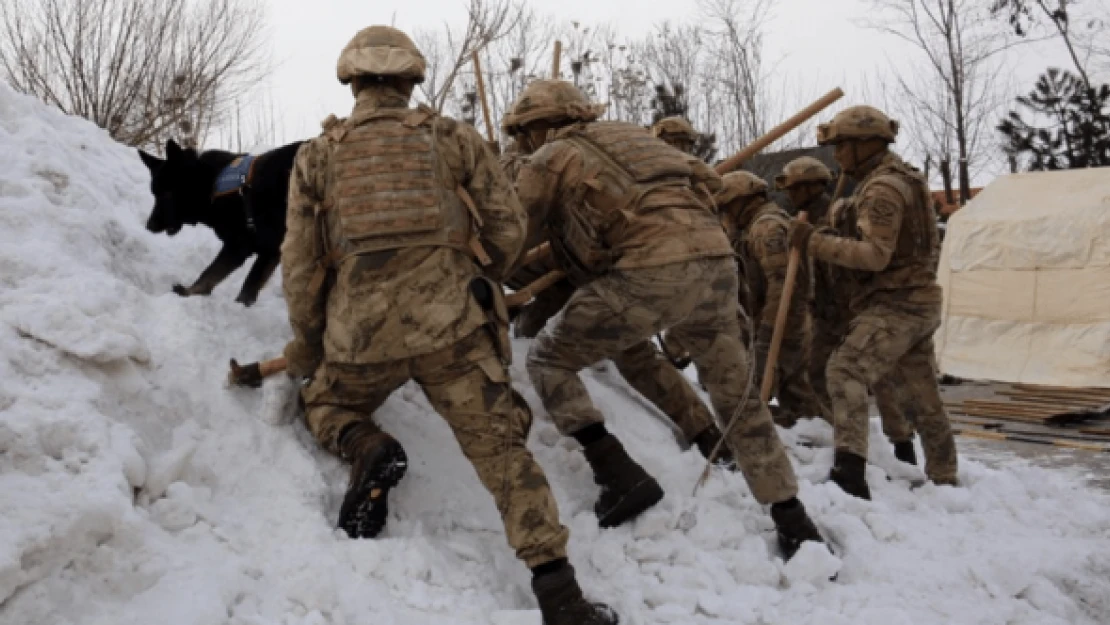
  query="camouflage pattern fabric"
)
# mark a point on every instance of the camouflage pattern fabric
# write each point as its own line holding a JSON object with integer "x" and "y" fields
{"x": 696, "y": 301}
{"x": 642, "y": 366}
{"x": 765, "y": 253}
{"x": 386, "y": 317}
{"x": 897, "y": 302}
{"x": 469, "y": 386}
{"x": 394, "y": 304}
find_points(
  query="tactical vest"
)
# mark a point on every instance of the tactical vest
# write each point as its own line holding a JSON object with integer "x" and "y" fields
{"x": 771, "y": 213}
{"x": 388, "y": 189}
{"x": 916, "y": 252}
{"x": 622, "y": 165}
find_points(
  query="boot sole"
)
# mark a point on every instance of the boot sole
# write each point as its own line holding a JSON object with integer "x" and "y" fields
{"x": 641, "y": 497}
{"x": 366, "y": 505}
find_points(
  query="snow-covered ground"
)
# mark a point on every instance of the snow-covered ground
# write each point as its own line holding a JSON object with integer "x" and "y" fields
{"x": 136, "y": 488}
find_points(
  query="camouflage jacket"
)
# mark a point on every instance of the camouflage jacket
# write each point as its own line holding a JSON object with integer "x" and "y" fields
{"x": 892, "y": 239}
{"x": 393, "y": 304}
{"x": 554, "y": 176}
{"x": 761, "y": 243}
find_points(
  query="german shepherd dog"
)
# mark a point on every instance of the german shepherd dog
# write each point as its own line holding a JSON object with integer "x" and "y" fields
{"x": 240, "y": 197}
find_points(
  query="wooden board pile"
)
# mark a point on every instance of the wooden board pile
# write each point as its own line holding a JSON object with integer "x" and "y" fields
{"x": 1077, "y": 418}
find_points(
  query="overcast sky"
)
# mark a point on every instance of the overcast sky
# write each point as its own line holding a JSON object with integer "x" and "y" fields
{"x": 819, "y": 43}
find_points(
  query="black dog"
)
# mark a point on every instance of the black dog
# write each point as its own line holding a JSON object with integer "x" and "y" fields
{"x": 240, "y": 197}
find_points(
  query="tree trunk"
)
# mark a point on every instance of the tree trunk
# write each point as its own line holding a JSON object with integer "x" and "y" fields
{"x": 946, "y": 175}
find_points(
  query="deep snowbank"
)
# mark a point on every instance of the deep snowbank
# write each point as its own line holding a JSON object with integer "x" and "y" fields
{"x": 137, "y": 489}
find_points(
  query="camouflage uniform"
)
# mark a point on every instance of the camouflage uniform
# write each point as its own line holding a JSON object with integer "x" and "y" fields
{"x": 672, "y": 270}
{"x": 757, "y": 228}
{"x": 896, "y": 302}
{"x": 400, "y": 308}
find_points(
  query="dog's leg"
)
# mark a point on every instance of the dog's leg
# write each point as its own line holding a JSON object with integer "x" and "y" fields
{"x": 228, "y": 260}
{"x": 263, "y": 267}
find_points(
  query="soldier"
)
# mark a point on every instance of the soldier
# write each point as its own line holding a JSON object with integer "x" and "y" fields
{"x": 646, "y": 254}
{"x": 676, "y": 132}
{"x": 805, "y": 181}
{"x": 757, "y": 228}
{"x": 400, "y": 227}
{"x": 896, "y": 304}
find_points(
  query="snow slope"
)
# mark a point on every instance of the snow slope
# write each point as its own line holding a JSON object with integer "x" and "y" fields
{"x": 136, "y": 488}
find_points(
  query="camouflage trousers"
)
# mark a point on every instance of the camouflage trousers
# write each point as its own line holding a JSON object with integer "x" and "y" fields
{"x": 696, "y": 301}
{"x": 891, "y": 401}
{"x": 889, "y": 347}
{"x": 469, "y": 386}
{"x": 642, "y": 366}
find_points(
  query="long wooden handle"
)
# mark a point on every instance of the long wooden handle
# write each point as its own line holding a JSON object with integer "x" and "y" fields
{"x": 482, "y": 95}
{"x": 536, "y": 254}
{"x": 523, "y": 296}
{"x": 253, "y": 373}
{"x": 777, "y": 132}
{"x": 780, "y": 319}
{"x": 555, "y": 60}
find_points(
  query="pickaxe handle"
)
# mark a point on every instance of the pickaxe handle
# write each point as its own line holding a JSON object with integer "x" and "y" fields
{"x": 252, "y": 374}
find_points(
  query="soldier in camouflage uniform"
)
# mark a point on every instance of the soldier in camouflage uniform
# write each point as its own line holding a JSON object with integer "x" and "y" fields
{"x": 676, "y": 132}
{"x": 896, "y": 304}
{"x": 647, "y": 254}
{"x": 652, "y": 374}
{"x": 757, "y": 228}
{"x": 805, "y": 181}
{"x": 400, "y": 227}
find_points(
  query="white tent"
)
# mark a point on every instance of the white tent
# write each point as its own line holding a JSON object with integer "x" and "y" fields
{"x": 1025, "y": 269}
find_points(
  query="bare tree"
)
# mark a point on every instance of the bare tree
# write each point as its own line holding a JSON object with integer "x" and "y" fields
{"x": 448, "y": 52}
{"x": 141, "y": 69}
{"x": 959, "y": 44}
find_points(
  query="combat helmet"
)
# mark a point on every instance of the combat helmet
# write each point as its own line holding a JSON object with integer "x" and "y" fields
{"x": 802, "y": 170}
{"x": 739, "y": 184}
{"x": 857, "y": 122}
{"x": 549, "y": 99}
{"x": 381, "y": 51}
{"x": 674, "y": 127}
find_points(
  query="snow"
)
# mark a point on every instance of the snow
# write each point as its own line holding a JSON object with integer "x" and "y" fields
{"x": 137, "y": 488}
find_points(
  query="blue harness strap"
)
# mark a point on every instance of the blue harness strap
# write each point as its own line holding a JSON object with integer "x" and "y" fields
{"x": 234, "y": 177}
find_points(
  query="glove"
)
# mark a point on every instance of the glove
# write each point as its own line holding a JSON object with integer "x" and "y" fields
{"x": 798, "y": 234}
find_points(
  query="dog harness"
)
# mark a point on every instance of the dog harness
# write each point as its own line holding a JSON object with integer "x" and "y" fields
{"x": 236, "y": 178}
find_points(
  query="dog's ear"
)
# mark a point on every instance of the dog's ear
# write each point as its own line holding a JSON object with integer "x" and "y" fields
{"x": 153, "y": 163}
{"x": 173, "y": 150}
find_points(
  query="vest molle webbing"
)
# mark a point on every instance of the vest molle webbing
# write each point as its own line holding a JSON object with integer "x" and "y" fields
{"x": 387, "y": 193}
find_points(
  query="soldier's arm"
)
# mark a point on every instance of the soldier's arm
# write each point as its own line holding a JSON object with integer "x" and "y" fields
{"x": 879, "y": 220}
{"x": 504, "y": 223}
{"x": 769, "y": 246}
{"x": 539, "y": 185}
{"x": 307, "y": 313}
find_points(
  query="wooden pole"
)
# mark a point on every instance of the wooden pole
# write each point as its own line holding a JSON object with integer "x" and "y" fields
{"x": 525, "y": 295}
{"x": 253, "y": 373}
{"x": 482, "y": 95}
{"x": 536, "y": 254}
{"x": 772, "y": 357}
{"x": 555, "y": 60}
{"x": 780, "y": 319}
{"x": 777, "y": 132}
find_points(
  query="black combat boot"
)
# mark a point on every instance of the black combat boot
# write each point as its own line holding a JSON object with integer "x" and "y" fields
{"x": 561, "y": 601}
{"x": 626, "y": 489}
{"x": 793, "y": 526}
{"x": 904, "y": 451}
{"x": 707, "y": 440}
{"x": 849, "y": 471}
{"x": 378, "y": 462}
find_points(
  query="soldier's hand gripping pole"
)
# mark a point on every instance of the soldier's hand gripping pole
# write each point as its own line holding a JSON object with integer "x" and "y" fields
{"x": 772, "y": 357}
{"x": 252, "y": 374}
{"x": 523, "y": 296}
{"x": 777, "y": 132}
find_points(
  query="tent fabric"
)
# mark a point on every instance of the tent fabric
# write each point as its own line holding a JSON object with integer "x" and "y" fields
{"x": 1025, "y": 269}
